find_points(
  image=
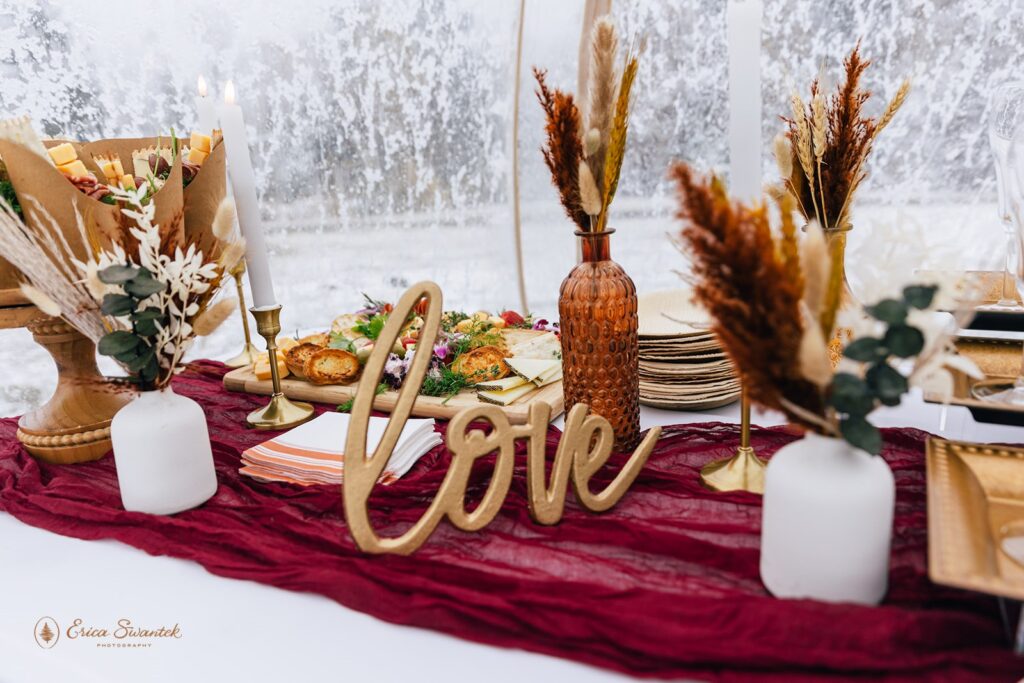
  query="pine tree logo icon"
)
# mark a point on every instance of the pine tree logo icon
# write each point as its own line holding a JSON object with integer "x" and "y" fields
{"x": 47, "y": 633}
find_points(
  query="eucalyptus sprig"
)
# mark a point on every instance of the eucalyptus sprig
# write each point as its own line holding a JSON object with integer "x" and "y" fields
{"x": 854, "y": 396}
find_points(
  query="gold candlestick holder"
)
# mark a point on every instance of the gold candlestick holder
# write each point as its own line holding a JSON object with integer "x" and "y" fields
{"x": 281, "y": 412}
{"x": 248, "y": 354}
{"x": 743, "y": 471}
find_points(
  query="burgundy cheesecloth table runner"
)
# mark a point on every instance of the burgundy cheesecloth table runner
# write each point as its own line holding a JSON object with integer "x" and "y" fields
{"x": 664, "y": 585}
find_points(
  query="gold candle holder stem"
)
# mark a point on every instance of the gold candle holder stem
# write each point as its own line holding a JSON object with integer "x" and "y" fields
{"x": 742, "y": 472}
{"x": 281, "y": 412}
{"x": 248, "y": 353}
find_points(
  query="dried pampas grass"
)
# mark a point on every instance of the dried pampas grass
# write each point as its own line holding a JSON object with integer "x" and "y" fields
{"x": 214, "y": 316}
{"x": 617, "y": 135}
{"x": 40, "y": 300}
{"x": 752, "y": 285}
{"x": 224, "y": 220}
{"x": 590, "y": 197}
{"x": 832, "y": 138}
{"x": 602, "y": 90}
{"x": 563, "y": 148}
{"x": 232, "y": 255}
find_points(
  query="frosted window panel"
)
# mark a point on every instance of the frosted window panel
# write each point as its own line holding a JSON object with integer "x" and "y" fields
{"x": 379, "y": 133}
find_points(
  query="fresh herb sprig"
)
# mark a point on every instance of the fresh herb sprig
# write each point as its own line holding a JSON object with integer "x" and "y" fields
{"x": 853, "y": 396}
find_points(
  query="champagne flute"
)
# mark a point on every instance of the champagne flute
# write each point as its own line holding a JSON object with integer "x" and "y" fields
{"x": 1006, "y": 108}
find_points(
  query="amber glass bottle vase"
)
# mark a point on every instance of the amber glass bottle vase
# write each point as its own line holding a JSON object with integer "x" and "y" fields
{"x": 600, "y": 352}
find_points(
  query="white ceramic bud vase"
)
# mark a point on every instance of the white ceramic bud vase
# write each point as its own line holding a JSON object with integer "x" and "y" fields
{"x": 827, "y": 522}
{"x": 163, "y": 454}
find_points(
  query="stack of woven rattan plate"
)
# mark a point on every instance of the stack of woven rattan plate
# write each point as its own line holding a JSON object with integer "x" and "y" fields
{"x": 682, "y": 364}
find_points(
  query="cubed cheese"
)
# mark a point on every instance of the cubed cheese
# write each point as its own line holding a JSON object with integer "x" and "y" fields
{"x": 63, "y": 154}
{"x": 200, "y": 142}
{"x": 197, "y": 156}
{"x": 261, "y": 367}
{"x": 73, "y": 168}
{"x": 109, "y": 172}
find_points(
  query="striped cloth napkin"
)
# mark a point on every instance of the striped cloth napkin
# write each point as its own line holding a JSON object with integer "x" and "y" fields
{"x": 312, "y": 453}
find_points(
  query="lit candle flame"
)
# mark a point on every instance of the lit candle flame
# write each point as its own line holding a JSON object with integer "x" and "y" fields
{"x": 229, "y": 93}
{"x": 201, "y": 86}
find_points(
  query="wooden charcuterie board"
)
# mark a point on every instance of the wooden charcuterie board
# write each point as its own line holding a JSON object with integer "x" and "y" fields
{"x": 244, "y": 380}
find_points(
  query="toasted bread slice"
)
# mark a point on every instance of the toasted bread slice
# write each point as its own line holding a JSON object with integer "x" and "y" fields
{"x": 331, "y": 366}
{"x": 296, "y": 357}
{"x": 321, "y": 339}
{"x": 484, "y": 364}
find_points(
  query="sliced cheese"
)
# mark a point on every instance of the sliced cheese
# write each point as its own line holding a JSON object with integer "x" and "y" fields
{"x": 544, "y": 346}
{"x": 548, "y": 379}
{"x": 118, "y": 168}
{"x": 531, "y": 368}
{"x": 127, "y": 182}
{"x": 556, "y": 369}
{"x": 63, "y": 154}
{"x": 507, "y": 397}
{"x": 501, "y": 384}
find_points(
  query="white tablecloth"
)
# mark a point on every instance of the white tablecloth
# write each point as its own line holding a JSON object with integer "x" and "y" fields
{"x": 241, "y": 631}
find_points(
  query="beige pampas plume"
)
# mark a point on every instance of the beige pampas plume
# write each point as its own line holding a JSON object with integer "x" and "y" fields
{"x": 591, "y": 141}
{"x": 213, "y": 317}
{"x": 590, "y": 197}
{"x": 602, "y": 88}
{"x": 784, "y": 156}
{"x": 815, "y": 262}
{"x": 224, "y": 220}
{"x": 233, "y": 254}
{"x": 40, "y": 300}
{"x": 815, "y": 365}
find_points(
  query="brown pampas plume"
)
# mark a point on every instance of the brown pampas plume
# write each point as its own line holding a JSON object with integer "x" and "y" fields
{"x": 214, "y": 316}
{"x": 601, "y": 91}
{"x": 562, "y": 149}
{"x": 751, "y": 284}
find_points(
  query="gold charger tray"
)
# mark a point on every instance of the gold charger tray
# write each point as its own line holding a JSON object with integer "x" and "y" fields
{"x": 998, "y": 359}
{"x": 244, "y": 380}
{"x": 975, "y": 501}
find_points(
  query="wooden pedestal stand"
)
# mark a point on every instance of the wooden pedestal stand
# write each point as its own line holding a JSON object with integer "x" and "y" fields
{"x": 74, "y": 425}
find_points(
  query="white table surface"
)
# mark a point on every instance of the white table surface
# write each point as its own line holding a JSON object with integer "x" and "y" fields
{"x": 242, "y": 631}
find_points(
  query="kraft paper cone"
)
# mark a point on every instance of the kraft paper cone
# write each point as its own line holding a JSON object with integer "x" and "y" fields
{"x": 202, "y": 197}
{"x": 170, "y": 200}
{"x": 33, "y": 176}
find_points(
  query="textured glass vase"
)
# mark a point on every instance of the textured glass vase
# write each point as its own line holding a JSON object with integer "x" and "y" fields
{"x": 600, "y": 352}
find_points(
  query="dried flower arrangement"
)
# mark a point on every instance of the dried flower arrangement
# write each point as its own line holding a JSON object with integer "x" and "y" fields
{"x": 142, "y": 304}
{"x": 584, "y": 152}
{"x": 772, "y": 302}
{"x": 822, "y": 156}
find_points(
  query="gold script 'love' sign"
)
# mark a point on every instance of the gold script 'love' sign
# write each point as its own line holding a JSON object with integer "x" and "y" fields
{"x": 584, "y": 448}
